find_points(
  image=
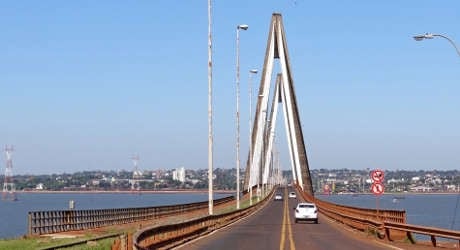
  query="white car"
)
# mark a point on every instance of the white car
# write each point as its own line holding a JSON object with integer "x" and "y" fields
{"x": 278, "y": 197}
{"x": 292, "y": 195}
{"x": 306, "y": 211}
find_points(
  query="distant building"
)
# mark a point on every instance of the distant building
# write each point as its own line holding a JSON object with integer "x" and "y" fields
{"x": 179, "y": 174}
{"x": 421, "y": 189}
{"x": 40, "y": 186}
{"x": 393, "y": 180}
{"x": 415, "y": 179}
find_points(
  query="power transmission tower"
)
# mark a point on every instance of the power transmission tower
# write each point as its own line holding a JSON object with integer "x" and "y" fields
{"x": 137, "y": 174}
{"x": 9, "y": 190}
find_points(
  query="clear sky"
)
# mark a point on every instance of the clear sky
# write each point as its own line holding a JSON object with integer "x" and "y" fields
{"x": 85, "y": 85}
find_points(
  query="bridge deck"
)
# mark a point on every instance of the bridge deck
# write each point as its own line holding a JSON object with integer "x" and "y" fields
{"x": 331, "y": 231}
{"x": 274, "y": 227}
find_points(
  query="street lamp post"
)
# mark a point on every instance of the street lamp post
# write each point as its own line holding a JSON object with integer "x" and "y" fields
{"x": 431, "y": 36}
{"x": 210, "y": 138}
{"x": 251, "y": 72}
{"x": 238, "y": 28}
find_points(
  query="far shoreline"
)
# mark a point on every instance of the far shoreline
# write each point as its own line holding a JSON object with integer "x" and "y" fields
{"x": 170, "y": 191}
{"x": 393, "y": 193}
{"x": 124, "y": 191}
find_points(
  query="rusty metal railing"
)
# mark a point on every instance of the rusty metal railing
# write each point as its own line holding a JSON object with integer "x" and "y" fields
{"x": 415, "y": 229}
{"x": 386, "y": 224}
{"x": 45, "y": 222}
{"x": 168, "y": 236}
{"x": 398, "y": 216}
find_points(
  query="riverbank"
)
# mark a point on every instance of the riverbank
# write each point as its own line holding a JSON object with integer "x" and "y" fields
{"x": 168, "y": 191}
{"x": 389, "y": 193}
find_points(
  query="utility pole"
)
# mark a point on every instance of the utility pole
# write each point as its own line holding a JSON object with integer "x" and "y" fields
{"x": 210, "y": 136}
{"x": 251, "y": 72}
{"x": 238, "y": 28}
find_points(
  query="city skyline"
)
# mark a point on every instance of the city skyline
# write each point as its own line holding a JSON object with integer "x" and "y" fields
{"x": 85, "y": 86}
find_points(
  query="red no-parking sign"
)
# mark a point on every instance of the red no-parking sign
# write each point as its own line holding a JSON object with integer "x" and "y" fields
{"x": 377, "y": 186}
{"x": 377, "y": 175}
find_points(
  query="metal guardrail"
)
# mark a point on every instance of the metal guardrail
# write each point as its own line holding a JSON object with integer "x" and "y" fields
{"x": 168, "y": 236}
{"x": 433, "y": 232}
{"x": 398, "y": 216}
{"x": 45, "y": 222}
{"x": 387, "y": 224}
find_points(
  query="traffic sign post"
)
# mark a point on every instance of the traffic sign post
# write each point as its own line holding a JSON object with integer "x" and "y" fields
{"x": 377, "y": 187}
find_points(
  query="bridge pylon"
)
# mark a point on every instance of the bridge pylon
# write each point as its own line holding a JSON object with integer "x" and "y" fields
{"x": 265, "y": 117}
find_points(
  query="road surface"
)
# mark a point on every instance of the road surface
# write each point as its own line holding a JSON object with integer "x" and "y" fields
{"x": 274, "y": 227}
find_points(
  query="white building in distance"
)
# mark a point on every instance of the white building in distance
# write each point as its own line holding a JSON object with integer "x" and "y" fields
{"x": 179, "y": 174}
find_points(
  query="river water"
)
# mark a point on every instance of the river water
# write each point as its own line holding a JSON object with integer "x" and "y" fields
{"x": 435, "y": 210}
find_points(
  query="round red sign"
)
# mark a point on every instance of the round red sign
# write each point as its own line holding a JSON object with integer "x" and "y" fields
{"x": 377, "y": 188}
{"x": 377, "y": 175}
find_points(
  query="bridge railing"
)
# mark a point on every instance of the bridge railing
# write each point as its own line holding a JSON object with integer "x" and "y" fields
{"x": 371, "y": 216}
{"x": 398, "y": 216}
{"x": 433, "y": 232}
{"x": 46, "y": 222}
{"x": 386, "y": 224}
{"x": 169, "y": 236}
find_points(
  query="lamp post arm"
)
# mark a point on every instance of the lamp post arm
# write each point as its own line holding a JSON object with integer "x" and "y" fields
{"x": 450, "y": 41}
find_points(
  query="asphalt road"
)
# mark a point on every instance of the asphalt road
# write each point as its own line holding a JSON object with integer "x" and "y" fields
{"x": 274, "y": 227}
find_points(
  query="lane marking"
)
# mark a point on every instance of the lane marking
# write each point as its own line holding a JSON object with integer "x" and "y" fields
{"x": 286, "y": 221}
{"x": 283, "y": 227}
{"x": 291, "y": 238}
{"x": 192, "y": 241}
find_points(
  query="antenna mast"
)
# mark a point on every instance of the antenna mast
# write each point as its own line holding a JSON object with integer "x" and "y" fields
{"x": 137, "y": 175}
{"x": 9, "y": 190}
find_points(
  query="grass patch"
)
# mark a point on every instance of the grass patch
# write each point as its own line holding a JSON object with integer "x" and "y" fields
{"x": 371, "y": 231}
{"x": 31, "y": 243}
{"x": 243, "y": 204}
{"x": 93, "y": 245}
{"x": 34, "y": 243}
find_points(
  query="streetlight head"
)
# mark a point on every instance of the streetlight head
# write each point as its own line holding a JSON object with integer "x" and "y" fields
{"x": 243, "y": 27}
{"x": 418, "y": 38}
{"x": 421, "y": 37}
{"x": 254, "y": 71}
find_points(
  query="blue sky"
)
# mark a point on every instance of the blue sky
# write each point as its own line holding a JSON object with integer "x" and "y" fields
{"x": 85, "y": 85}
